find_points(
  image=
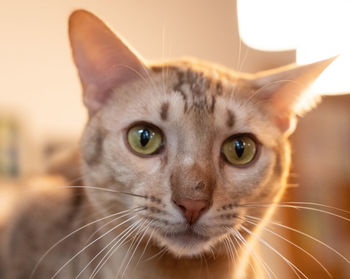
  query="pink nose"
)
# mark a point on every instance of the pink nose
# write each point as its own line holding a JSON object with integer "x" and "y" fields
{"x": 192, "y": 209}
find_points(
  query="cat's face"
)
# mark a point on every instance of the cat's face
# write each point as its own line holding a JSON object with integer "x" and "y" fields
{"x": 191, "y": 141}
{"x": 194, "y": 115}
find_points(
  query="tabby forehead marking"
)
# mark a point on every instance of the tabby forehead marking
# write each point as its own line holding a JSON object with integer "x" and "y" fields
{"x": 178, "y": 89}
{"x": 230, "y": 121}
{"x": 212, "y": 105}
{"x": 219, "y": 88}
{"x": 164, "y": 111}
{"x": 199, "y": 87}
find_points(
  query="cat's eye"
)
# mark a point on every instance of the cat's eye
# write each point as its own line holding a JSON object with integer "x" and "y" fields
{"x": 145, "y": 139}
{"x": 239, "y": 150}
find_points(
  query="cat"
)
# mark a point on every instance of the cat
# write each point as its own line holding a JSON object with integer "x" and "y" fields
{"x": 173, "y": 159}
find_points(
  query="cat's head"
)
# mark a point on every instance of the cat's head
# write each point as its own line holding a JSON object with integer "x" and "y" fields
{"x": 192, "y": 142}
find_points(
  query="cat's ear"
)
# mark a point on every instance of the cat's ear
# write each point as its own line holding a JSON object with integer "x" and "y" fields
{"x": 285, "y": 91}
{"x": 103, "y": 60}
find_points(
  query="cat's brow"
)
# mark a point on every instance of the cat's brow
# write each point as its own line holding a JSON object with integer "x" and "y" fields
{"x": 164, "y": 111}
{"x": 219, "y": 88}
{"x": 212, "y": 105}
{"x": 230, "y": 121}
{"x": 178, "y": 89}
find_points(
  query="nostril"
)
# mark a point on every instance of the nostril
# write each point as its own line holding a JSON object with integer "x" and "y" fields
{"x": 183, "y": 208}
{"x": 203, "y": 209}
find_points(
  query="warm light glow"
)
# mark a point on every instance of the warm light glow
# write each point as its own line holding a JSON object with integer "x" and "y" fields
{"x": 316, "y": 29}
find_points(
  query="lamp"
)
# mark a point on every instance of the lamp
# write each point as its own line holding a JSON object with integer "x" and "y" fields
{"x": 316, "y": 29}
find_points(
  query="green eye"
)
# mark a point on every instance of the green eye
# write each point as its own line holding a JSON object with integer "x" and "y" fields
{"x": 239, "y": 150}
{"x": 145, "y": 139}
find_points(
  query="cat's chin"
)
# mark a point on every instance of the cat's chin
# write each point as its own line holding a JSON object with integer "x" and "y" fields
{"x": 186, "y": 244}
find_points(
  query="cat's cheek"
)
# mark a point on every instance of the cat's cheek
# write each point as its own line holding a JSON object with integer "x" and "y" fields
{"x": 244, "y": 181}
{"x": 147, "y": 166}
{"x": 120, "y": 155}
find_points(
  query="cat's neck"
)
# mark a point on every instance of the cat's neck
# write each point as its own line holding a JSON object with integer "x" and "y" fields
{"x": 157, "y": 265}
{"x": 151, "y": 261}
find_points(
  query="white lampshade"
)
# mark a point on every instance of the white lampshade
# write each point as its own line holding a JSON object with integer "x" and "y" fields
{"x": 316, "y": 29}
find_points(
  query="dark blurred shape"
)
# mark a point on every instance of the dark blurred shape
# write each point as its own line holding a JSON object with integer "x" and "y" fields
{"x": 9, "y": 147}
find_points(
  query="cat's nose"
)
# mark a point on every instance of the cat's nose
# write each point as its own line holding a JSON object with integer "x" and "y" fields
{"x": 192, "y": 209}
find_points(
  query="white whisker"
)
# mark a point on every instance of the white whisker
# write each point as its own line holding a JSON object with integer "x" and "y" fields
{"x": 120, "y": 241}
{"x": 306, "y": 235}
{"x": 135, "y": 249}
{"x": 133, "y": 241}
{"x": 88, "y": 264}
{"x": 87, "y": 246}
{"x": 111, "y": 221}
{"x": 144, "y": 250}
{"x": 159, "y": 253}
{"x": 295, "y": 245}
{"x": 317, "y": 204}
{"x": 124, "y": 213}
{"x": 228, "y": 248}
{"x": 103, "y": 189}
{"x": 292, "y": 266}
{"x": 296, "y": 207}
{"x": 267, "y": 269}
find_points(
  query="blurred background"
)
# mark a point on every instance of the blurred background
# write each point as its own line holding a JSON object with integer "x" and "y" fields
{"x": 41, "y": 112}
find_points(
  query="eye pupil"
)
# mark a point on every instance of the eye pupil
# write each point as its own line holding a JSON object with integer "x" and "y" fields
{"x": 145, "y": 137}
{"x": 239, "y": 147}
{"x": 239, "y": 150}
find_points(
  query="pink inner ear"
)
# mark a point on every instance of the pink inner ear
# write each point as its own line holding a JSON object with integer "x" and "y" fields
{"x": 284, "y": 89}
{"x": 103, "y": 60}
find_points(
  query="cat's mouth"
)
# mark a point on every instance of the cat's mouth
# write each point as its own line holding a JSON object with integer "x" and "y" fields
{"x": 188, "y": 237}
{"x": 187, "y": 242}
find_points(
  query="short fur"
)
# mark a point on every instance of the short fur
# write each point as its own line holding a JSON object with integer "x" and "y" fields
{"x": 197, "y": 105}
